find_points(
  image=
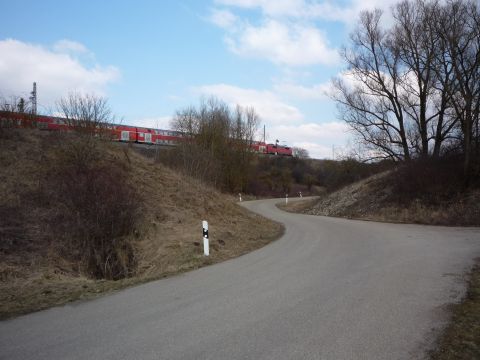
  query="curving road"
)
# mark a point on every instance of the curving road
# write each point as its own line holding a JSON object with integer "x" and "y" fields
{"x": 329, "y": 289}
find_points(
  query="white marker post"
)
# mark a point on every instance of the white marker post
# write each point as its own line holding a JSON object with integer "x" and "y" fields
{"x": 286, "y": 199}
{"x": 240, "y": 195}
{"x": 300, "y": 194}
{"x": 206, "y": 248}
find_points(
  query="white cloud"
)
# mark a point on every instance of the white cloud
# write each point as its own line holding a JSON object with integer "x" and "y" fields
{"x": 159, "y": 122}
{"x": 223, "y": 18}
{"x": 269, "y": 7}
{"x": 316, "y": 132}
{"x": 65, "y": 46}
{"x": 56, "y": 71}
{"x": 266, "y": 103}
{"x": 347, "y": 13}
{"x": 316, "y": 151}
{"x": 321, "y": 91}
{"x": 291, "y": 8}
{"x": 288, "y": 33}
{"x": 305, "y": 9}
{"x": 315, "y": 92}
{"x": 317, "y": 138}
{"x": 283, "y": 43}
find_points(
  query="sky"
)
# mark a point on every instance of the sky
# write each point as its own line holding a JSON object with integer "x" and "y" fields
{"x": 152, "y": 58}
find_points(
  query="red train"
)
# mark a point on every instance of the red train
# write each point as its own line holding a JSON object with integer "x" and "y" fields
{"x": 271, "y": 149}
{"x": 125, "y": 133}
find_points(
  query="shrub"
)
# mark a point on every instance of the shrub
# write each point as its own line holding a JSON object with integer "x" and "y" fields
{"x": 433, "y": 181}
{"x": 95, "y": 208}
{"x": 12, "y": 231}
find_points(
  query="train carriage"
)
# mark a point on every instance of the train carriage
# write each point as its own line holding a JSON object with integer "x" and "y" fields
{"x": 124, "y": 133}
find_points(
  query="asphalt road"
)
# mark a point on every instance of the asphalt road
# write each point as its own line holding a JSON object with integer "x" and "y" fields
{"x": 329, "y": 289}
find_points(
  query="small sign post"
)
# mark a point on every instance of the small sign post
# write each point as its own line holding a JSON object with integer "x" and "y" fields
{"x": 240, "y": 196}
{"x": 206, "y": 249}
{"x": 300, "y": 194}
{"x": 286, "y": 199}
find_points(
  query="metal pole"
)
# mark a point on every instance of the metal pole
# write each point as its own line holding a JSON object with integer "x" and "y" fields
{"x": 34, "y": 99}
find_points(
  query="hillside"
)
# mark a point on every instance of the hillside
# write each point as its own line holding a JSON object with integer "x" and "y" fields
{"x": 380, "y": 198}
{"x": 37, "y": 270}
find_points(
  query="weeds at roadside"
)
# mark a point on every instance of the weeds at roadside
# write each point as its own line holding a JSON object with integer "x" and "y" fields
{"x": 461, "y": 339}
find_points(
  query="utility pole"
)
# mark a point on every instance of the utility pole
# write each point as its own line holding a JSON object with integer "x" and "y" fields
{"x": 264, "y": 134}
{"x": 33, "y": 99}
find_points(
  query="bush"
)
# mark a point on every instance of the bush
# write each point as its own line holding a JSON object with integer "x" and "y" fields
{"x": 335, "y": 174}
{"x": 216, "y": 147}
{"x": 12, "y": 229}
{"x": 433, "y": 181}
{"x": 95, "y": 208}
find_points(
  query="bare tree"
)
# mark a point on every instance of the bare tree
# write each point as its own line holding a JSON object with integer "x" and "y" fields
{"x": 459, "y": 26}
{"x": 416, "y": 83}
{"x": 372, "y": 104}
{"x": 216, "y": 146}
{"x": 15, "y": 104}
{"x": 300, "y": 153}
{"x": 86, "y": 113}
{"x": 416, "y": 40}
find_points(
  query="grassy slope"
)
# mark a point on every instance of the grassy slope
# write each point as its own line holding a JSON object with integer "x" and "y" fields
{"x": 375, "y": 199}
{"x": 168, "y": 241}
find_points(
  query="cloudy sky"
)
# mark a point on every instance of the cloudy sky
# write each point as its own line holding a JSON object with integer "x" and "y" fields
{"x": 151, "y": 58}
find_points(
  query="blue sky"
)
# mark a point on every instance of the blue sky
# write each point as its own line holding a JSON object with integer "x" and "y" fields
{"x": 151, "y": 58}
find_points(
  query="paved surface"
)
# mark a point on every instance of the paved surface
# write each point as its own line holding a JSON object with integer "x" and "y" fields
{"x": 329, "y": 289}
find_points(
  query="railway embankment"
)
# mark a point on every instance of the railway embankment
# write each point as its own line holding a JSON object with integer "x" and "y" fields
{"x": 80, "y": 217}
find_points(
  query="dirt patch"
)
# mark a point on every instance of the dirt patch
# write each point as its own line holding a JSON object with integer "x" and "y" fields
{"x": 35, "y": 275}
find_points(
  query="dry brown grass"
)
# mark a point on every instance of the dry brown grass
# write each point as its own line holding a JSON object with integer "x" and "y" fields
{"x": 174, "y": 228}
{"x": 35, "y": 275}
{"x": 376, "y": 199}
{"x": 298, "y": 205}
{"x": 461, "y": 339}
